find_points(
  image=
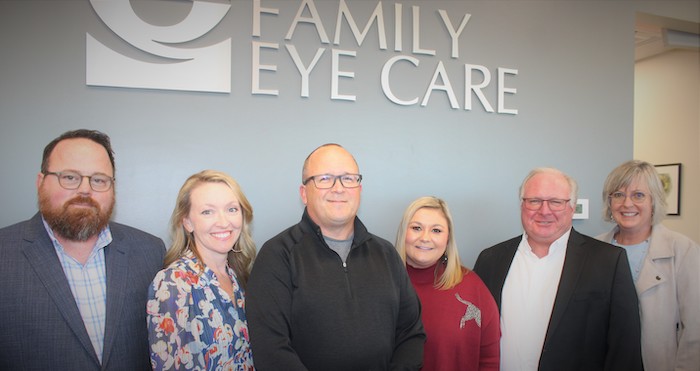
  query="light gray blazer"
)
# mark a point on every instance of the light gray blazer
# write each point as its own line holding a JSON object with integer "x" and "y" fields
{"x": 669, "y": 301}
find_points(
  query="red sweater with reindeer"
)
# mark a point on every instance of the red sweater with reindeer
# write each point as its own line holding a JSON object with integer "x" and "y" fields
{"x": 462, "y": 324}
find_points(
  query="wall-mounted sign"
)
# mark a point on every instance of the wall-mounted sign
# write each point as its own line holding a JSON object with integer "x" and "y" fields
{"x": 196, "y": 69}
{"x": 209, "y": 68}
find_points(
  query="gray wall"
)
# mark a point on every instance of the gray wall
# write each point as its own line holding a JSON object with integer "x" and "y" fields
{"x": 574, "y": 99}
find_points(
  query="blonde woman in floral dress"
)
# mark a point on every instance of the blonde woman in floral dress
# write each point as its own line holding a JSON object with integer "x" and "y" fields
{"x": 196, "y": 305}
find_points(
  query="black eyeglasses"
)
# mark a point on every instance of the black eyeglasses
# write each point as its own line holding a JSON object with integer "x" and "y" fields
{"x": 555, "y": 204}
{"x": 73, "y": 180}
{"x": 326, "y": 181}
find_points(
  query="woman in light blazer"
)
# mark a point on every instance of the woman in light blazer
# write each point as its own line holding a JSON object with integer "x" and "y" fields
{"x": 665, "y": 266}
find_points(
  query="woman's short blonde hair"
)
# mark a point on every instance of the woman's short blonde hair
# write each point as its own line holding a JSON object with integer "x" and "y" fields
{"x": 641, "y": 171}
{"x": 183, "y": 241}
{"x": 454, "y": 271}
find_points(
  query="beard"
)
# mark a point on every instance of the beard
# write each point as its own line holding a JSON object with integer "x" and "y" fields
{"x": 75, "y": 224}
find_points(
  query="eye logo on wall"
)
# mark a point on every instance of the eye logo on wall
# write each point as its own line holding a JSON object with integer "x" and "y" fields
{"x": 205, "y": 69}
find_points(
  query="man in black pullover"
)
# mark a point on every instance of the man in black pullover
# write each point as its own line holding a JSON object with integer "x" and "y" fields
{"x": 326, "y": 294}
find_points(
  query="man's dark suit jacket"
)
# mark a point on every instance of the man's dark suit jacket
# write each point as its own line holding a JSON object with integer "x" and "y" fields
{"x": 41, "y": 326}
{"x": 595, "y": 320}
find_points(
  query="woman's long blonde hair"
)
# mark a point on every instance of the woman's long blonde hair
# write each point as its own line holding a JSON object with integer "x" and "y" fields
{"x": 183, "y": 241}
{"x": 454, "y": 271}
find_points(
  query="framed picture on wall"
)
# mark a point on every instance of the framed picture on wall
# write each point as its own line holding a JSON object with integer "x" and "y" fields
{"x": 670, "y": 175}
{"x": 581, "y": 211}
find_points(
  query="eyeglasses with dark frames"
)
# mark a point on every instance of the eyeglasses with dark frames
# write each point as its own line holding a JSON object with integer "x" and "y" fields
{"x": 72, "y": 180}
{"x": 326, "y": 181}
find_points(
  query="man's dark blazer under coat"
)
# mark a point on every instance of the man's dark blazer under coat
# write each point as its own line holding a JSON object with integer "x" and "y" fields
{"x": 595, "y": 319}
{"x": 41, "y": 326}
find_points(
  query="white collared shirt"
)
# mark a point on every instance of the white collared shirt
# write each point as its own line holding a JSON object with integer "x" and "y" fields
{"x": 527, "y": 301}
{"x": 88, "y": 283}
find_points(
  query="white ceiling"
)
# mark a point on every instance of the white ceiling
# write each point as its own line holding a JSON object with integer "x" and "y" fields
{"x": 651, "y": 35}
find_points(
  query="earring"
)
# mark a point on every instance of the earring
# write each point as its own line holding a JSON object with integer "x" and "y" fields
{"x": 233, "y": 249}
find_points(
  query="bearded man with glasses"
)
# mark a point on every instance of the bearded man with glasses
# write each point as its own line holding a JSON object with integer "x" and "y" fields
{"x": 567, "y": 301}
{"x": 74, "y": 283}
{"x": 326, "y": 294}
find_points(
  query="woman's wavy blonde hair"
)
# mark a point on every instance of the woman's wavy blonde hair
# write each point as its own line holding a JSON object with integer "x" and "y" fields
{"x": 454, "y": 271}
{"x": 183, "y": 241}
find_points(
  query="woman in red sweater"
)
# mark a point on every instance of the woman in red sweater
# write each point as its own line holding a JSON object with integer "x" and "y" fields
{"x": 459, "y": 314}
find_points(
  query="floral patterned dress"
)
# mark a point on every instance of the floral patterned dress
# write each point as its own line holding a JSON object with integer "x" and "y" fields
{"x": 193, "y": 324}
